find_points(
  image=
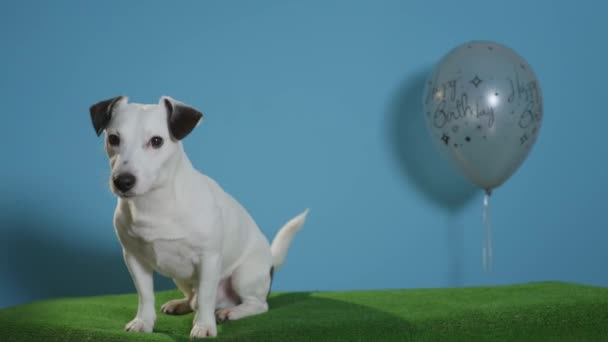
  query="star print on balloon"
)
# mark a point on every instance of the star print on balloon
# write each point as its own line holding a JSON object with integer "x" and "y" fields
{"x": 445, "y": 138}
{"x": 476, "y": 81}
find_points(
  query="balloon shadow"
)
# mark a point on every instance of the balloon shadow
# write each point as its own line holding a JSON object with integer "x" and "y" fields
{"x": 42, "y": 260}
{"x": 422, "y": 164}
{"x": 413, "y": 148}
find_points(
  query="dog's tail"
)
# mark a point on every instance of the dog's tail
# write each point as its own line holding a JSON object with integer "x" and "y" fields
{"x": 282, "y": 240}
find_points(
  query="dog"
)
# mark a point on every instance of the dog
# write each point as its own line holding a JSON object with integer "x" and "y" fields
{"x": 174, "y": 220}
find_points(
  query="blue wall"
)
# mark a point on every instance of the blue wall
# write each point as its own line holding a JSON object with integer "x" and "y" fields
{"x": 311, "y": 104}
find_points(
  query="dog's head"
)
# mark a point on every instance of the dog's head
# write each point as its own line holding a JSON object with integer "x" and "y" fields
{"x": 142, "y": 141}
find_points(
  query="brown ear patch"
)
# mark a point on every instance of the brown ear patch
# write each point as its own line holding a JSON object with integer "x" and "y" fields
{"x": 181, "y": 119}
{"x": 101, "y": 113}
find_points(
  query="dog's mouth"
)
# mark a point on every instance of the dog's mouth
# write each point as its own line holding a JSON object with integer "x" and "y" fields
{"x": 124, "y": 195}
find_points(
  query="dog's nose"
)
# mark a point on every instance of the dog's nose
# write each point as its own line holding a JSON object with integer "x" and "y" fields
{"x": 124, "y": 182}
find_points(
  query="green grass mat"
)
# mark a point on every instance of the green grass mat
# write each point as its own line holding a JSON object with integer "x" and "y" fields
{"x": 533, "y": 312}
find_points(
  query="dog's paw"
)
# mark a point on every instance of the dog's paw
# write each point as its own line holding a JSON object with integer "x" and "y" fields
{"x": 203, "y": 330}
{"x": 239, "y": 311}
{"x": 224, "y": 315}
{"x": 176, "y": 307}
{"x": 139, "y": 325}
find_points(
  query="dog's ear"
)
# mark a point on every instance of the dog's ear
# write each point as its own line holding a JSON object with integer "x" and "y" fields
{"x": 101, "y": 113}
{"x": 181, "y": 118}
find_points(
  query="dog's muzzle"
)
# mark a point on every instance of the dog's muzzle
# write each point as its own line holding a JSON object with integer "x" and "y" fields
{"x": 124, "y": 182}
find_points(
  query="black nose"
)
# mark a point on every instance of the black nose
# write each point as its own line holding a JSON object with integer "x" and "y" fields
{"x": 124, "y": 182}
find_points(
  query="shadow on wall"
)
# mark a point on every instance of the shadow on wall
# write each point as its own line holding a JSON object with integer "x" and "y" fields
{"x": 42, "y": 260}
{"x": 421, "y": 163}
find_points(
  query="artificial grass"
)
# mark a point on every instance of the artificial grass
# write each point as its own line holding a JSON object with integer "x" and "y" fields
{"x": 530, "y": 312}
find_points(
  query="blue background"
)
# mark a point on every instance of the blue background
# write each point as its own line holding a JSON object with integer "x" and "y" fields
{"x": 308, "y": 104}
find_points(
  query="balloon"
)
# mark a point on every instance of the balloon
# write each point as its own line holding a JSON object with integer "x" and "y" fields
{"x": 483, "y": 107}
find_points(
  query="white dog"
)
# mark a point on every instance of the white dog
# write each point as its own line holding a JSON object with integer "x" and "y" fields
{"x": 174, "y": 220}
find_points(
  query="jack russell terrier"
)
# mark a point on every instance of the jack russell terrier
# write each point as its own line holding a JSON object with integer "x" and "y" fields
{"x": 174, "y": 220}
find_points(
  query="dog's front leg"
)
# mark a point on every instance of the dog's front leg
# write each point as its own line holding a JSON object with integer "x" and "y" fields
{"x": 142, "y": 277}
{"x": 208, "y": 280}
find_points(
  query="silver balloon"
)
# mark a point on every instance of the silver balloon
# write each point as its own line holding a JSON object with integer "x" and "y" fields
{"x": 483, "y": 107}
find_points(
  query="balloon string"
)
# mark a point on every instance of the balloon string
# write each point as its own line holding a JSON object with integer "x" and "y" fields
{"x": 487, "y": 241}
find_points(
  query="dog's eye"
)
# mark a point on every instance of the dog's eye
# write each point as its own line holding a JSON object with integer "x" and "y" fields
{"x": 156, "y": 142}
{"x": 113, "y": 140}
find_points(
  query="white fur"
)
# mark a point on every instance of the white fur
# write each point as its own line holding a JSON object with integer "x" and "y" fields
{"x": 180, "y": 223}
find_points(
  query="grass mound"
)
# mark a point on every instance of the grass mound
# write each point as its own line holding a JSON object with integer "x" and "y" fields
{"x": 533, "y": 312}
